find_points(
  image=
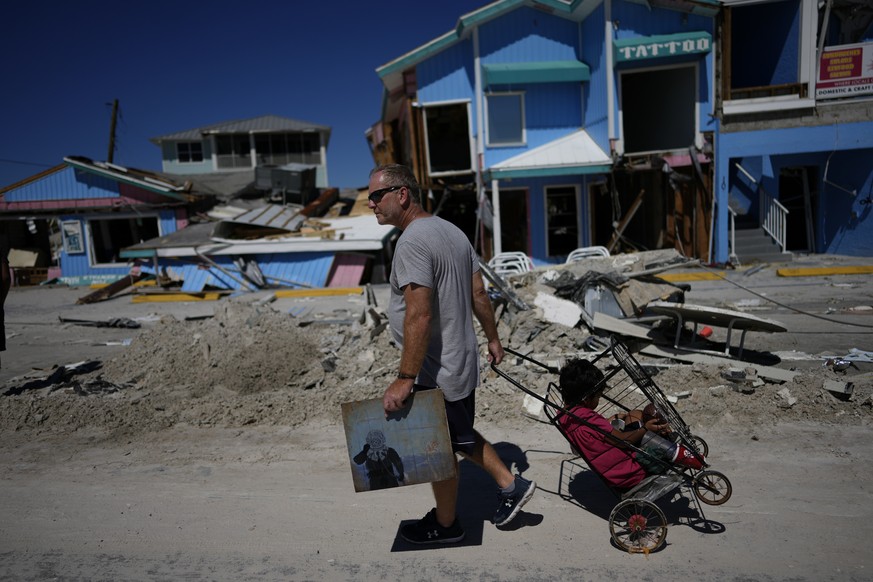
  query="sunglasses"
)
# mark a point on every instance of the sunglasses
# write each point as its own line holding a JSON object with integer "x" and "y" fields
{"x": 376, "y": 196}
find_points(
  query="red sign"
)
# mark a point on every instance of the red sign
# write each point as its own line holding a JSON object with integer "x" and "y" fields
{"x": 845, "y": 71}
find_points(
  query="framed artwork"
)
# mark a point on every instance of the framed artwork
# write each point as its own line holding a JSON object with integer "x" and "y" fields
{"x": 73, "y": 242}
{"x": 408, "y": 447}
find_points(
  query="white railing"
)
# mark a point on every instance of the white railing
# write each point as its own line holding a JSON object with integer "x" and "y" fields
{"x": 774, "y": 217}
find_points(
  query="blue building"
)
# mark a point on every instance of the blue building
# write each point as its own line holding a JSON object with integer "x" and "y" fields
{"x": 690, "y": 124}
{"x": 795, "y": 143}
{"x": 77, "y": 216}
{"x": 572, "y": 123}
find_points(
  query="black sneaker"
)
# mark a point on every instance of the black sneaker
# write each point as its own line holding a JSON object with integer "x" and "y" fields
{"x": 427, "y": 530}
{"x": 511, "y": 504}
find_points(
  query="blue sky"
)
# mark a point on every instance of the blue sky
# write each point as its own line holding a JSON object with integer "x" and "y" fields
{"x": 176, "y": 65}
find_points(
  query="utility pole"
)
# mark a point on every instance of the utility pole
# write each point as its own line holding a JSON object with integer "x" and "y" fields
{"x": 112, "y": 131}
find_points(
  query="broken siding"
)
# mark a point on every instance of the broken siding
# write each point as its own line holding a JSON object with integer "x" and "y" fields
{"x": 78, "y": 265}
{"x": 70, "y": 188}
{"x": 295, "y": 270}
{"x": 67, "y": 184}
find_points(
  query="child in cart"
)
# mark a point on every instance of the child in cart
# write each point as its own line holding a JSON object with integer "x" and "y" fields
{"x": 581, "y": 385}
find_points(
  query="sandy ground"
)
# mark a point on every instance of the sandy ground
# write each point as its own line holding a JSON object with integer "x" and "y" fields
{"x": 209, "y": 446}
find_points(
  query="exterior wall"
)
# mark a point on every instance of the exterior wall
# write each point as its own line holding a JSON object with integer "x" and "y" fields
{"x": 556, "y": 109}
{"x": 78, "y": 268}
{"x": 67, "y": 184}
{"x": 61, "y": 193}
{"x": 634, "y": 20}
{"x": 538, "y": 213}
{"x": 842, "y": 222}
{"x": 171, "y": 165}
{"x": 552, "y": 110}
{"x": 595, "y": 110}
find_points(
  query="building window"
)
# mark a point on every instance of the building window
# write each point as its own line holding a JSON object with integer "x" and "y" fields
{"x": 505, "y": 113}
{"x": 562, "y": 221}
{"x": 447, "y": 135}
{"x": 189, "y": 152}
{"x": 233, "y": 151}
{"x": 763, "y": 52}
{"x": 109, "y": 236}
{"x": 288, "y": 148}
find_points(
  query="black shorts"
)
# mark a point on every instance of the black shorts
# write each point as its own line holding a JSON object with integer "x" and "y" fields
{"x": 459, "y": 415}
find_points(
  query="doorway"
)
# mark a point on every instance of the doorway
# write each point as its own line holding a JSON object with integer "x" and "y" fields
{"x": 514, "y": 225}
{"x": 797, "y": 193}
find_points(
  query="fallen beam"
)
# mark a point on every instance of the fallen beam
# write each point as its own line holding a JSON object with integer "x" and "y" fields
{"x": 768, "y": 372}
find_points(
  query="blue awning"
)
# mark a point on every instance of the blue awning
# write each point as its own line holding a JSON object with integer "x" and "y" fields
{"x": 535, "y": 72}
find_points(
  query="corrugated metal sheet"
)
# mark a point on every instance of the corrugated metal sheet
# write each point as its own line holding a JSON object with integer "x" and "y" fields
{"x": 273, "y": 216}
{"x": 295, "y": 270}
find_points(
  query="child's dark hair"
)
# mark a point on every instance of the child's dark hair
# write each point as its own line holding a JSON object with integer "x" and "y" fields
{"x": 579, "y": 380}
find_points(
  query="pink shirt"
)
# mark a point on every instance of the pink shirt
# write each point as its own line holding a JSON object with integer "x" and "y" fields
{"x": 616, "y": 465}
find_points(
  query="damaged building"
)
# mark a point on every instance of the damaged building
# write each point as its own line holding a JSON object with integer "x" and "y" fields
{"x": 544, "y": 126}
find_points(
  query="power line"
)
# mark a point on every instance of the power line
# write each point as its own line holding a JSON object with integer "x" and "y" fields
{"x": 23, "y": 163}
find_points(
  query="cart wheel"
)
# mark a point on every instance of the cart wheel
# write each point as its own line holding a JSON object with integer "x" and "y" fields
{"x": 701, "y": 445}
{"x": 712, "y": 487}
{"x": 638, "y": 526}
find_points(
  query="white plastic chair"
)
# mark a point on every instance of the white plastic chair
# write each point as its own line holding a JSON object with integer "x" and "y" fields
{"x": 587, "y": 252}
{"x": 511, "y": 263}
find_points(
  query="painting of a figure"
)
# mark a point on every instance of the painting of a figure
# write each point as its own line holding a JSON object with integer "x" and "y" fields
{"x": 383, "y": 464}
{"x": 408, "y": 447}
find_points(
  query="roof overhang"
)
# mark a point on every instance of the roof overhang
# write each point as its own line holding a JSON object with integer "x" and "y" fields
{"x": 699, "y": 7}
{"x": 571, "y": 155}
{"x": 124, "y": 175}
{"x": 358, "y": 233}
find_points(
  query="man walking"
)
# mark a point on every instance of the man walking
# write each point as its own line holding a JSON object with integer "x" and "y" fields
{"x": 436, "y": 290}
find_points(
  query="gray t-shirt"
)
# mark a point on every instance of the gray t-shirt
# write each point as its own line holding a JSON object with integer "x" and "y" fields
{"x": 435, "y": 253}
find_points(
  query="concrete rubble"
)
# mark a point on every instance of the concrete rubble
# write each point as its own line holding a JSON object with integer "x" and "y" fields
{"x": 251, "y": 363}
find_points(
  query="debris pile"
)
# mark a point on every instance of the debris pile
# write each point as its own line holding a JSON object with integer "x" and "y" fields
{"x": 250, "y": 364}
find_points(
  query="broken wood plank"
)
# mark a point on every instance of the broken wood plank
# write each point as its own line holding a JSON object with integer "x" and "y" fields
{"x": 769, "y": 372}
{"x": 619, "y": 229}
{"x": 619, "y": 326}
{"x": 113, "y": 288}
